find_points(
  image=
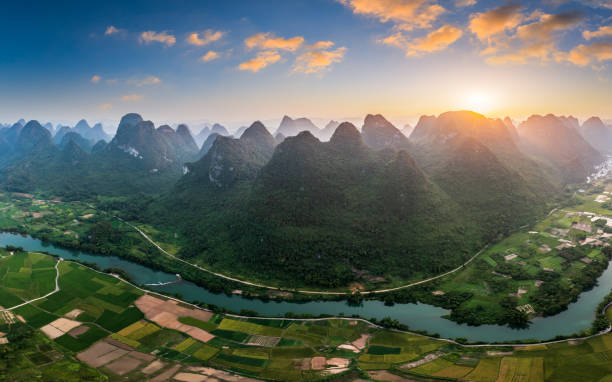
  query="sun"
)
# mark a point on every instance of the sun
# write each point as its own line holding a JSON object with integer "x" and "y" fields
{"x": 478, "y": 101}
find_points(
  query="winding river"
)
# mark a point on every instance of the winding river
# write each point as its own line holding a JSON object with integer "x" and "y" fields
{"x": 577, "y": 317}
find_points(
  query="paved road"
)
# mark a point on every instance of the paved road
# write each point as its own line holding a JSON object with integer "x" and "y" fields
{"x": 244, "y": 282}
{"x": 299, "y": 290}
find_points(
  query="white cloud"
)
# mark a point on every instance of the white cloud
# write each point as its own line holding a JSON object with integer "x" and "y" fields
{"x": 464, "y": 3}
{"x": 111, "y": 29}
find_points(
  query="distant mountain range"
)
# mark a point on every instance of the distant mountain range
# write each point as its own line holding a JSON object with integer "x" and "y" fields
{"x": 317, "y": 206}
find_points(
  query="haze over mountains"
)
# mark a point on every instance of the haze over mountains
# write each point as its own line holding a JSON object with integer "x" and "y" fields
{"x": 318, "y": 205}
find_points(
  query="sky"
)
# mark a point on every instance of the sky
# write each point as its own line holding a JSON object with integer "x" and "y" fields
{"x": 238, "y": 61}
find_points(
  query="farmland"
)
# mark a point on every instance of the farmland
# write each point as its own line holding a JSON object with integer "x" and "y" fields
{"x": 536, "y": 271}
{"x": 95, "y": 326}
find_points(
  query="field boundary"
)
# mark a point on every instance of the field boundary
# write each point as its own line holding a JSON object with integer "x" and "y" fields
{"x": 57, "y": 289}
{"x": 448, "y": 340}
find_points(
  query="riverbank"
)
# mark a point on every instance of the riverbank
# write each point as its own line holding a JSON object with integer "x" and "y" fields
{"x": 270, "y": 347}
{"x": 418, "y": 317}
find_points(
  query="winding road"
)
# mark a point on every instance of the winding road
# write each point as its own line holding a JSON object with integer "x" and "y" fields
{"x": 377, "y": 291}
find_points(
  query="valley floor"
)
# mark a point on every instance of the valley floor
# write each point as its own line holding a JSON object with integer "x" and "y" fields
{"x": 563, "y": 253}
{"x": 99, "y": 327}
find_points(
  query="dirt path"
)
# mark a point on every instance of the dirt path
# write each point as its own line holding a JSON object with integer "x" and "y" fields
{"x": 57, "y": 288}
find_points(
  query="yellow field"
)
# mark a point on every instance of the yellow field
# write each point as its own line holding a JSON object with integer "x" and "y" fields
{"x": 125, "y": 340}
{"x": 149, "y": 328}
{"x": 250, "y": 328}
{"x": 205, "y": 353}
{"x": 132, "y": 328}
{"x": 184, "y": 345}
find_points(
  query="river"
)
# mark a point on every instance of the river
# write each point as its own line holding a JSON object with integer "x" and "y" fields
{"x": 577, "y": 317}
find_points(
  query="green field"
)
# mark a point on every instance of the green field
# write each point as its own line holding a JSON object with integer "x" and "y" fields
{"x": 108, "y": 312}
{"x": 24, "y": 277}
{"x": 533, "y": 261}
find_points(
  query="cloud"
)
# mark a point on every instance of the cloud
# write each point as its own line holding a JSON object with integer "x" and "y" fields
{"x": 209, "y": 56}
{"x": 321, "y": 45}
{"x": 516, "y": 38}
{"x": 406, "y": 14}
{"x": 464, "y": 3}
{"x": 131, "y": 97}
{"x": 584, "y": 55}
{"x": 495, "y": 21}
{"x": 95, "y": 78}
{"x": 589, "y": 3}
{"x": 545, "y": 28}
{"x": 317, "y": 60}
{"x": 262, "y": 60}
{"x": 110, "y": 30}
{"x": 161, "y": 37}
{"x": 436, "y": 40}
{"x": 105, "y": 106}
{"x": 267, "y": 41}
{"x": 540, "y": 51}
{"x": 207, "y": 37}
{"x": 150, "y": 80}
{"x": 603, "y": 31}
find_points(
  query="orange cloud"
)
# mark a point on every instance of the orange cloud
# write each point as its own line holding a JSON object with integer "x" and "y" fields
{"x": 267, "y": 41}
{"x": 131, "y": 97}
{"x": 495, "y": 21}
{"x": 603, "y": 31}
{"x": 539, "y": 51}
{"x": 209, "y": 56}
{"x": 95, "y": 79}
{"x": 105, "y": 106}
{"x": 207, "y": 37}
{"x": 584, "y": 55}
{"x": 407, "y": 14}
{"x": 526, "y": 39}
{"x": 321, "y": 45}
{"x": 262, "y": 60}
{"x": 161, "y": 37}
{"x": 436, "y": 40}
{"x": 318, "y": 60}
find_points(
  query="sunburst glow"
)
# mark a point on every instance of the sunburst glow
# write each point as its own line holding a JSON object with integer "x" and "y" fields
{"x": 479, "y": 101}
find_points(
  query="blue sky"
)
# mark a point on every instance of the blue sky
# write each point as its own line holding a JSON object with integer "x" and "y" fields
{"x": 237, "y": 61}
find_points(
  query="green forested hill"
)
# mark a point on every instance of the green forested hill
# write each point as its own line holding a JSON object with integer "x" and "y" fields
{"x": 320, "y": 213}
{"x": 366, "y": 206}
